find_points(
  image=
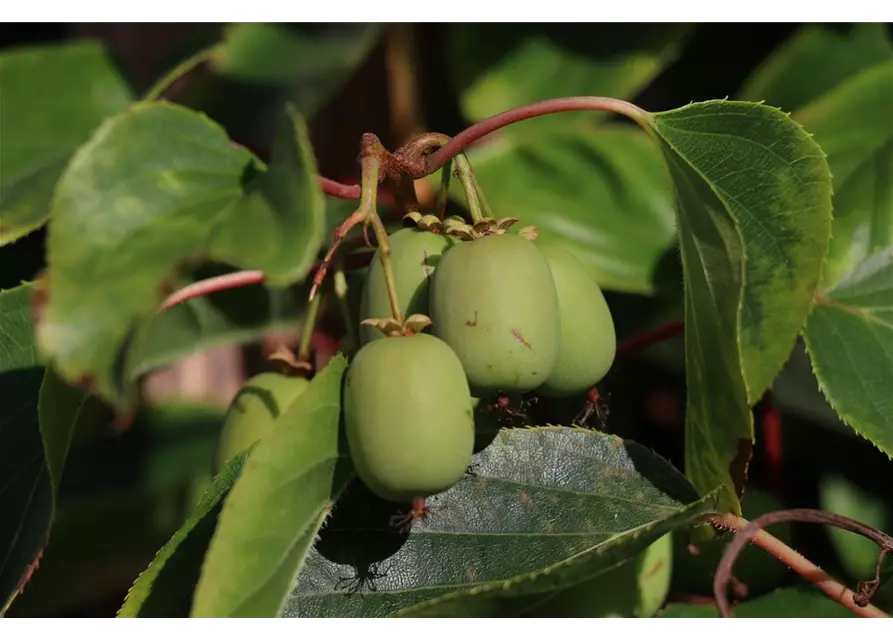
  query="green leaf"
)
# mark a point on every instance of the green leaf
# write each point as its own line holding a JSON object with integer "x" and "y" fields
{"x": 814, "y": 61}
{"x": 279, "y": 225}
{"x": 547, "y": 507}
{"x": 782, "y": 603}
{"x": 39, "y": 415}
{"x": 849, "y": 336}
{"x": 753, "y": 198}
{"x": 316, "y": 60}
{"x": 601, "y": 192}
{"x": 155, "y": 190}
{"x": 165, "y": 588}
{"x": 54, "y": 96}
{"x": 501, "y": 66}
{"x": 854, "y": 127}
{"x": 272, "y": 515}
{"x": 857, "y": 554}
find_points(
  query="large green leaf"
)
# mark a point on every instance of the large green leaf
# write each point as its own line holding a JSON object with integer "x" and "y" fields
{"x": 782, "y": 603}
{"x": 814, "y": 61}
{"x": 54, "y": 96}
{"x": 273, "y": 512}
{"x": 854, "y": 127}
{"x": 39, "y": 414}
{"x": 165, "y": 588}
{"x": 602, "y": 192}
{"x": 753, "y": 198}
{"x": 501, "y": 66}
{"x": 154, "y": 189}
{"x": 849, "y": 336}
{"x": 546, "y": 508}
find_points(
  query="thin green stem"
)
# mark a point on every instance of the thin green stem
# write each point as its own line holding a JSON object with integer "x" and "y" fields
{"x": 443, "y": 194}
{"x": 309, "y": 328}
{"x": 472, "y": 195}
{"x": 485, "y": 206}
{"x": 371, "y": 164}
{"x": 162, "y": 85}
{"x": 352, "y": 340}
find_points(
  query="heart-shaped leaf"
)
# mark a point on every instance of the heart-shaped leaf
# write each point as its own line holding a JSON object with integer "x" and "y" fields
{"x": 753, "y": 195}
{"x": 849, "y": 336}
{"x": 54, "y": 96}
{"x": 601, "y": 192}
{"x": 39, "y": 416}
{"x": 165, "y": 588}
{"x": 854, "y": 127}
{"x": 501, "y": 66}
{"x": 154, "y": 189}
{"x": 541, "y": 509}
{"x": 273, "y": 512}
{"x": 814, "y": 61}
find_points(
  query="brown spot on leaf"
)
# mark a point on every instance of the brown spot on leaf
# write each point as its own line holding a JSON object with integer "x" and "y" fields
{"x": 472, "y": 323}
{"x": 520, "y": 338}
{"x": 653, "y": 569}
{"x": 739, "y": 464}
{"x": 525, "y": 499}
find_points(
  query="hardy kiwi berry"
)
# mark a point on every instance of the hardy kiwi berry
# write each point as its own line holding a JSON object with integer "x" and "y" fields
{"x": 408, "y": 416}
{"x": 414, "y": 257}
{"x": 494, "y": 302}
{"x": 588, "y": 342}
{"x": 253, "y": 411}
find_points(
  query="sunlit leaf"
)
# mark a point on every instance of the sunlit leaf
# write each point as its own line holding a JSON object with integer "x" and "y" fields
{"x": 54, "y": 96}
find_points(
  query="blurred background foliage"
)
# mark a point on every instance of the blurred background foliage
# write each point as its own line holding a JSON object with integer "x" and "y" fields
{"x": 591, "y": 181}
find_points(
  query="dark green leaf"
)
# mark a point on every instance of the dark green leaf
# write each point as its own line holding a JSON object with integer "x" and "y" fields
{"x": 849, "y": 336}
{"x": 155, "y": 189}
{"x": 501, "y": 66}
{"x": 315, "y": 60}
{"x": 854, "y": 127}
{"x": 547, "y": 507}
{"x": 26, "y": 494}
{"x": 814, "y": 61}
{"x": 782, "y": 603}
{"x": 39, "y": 415}
{"x": 165, "y": 588}
{"x": 272, "y": 515}
{"x": 601, "y": 192}
{"x": 54, "y": 96}
{"x": 754, "y": 211}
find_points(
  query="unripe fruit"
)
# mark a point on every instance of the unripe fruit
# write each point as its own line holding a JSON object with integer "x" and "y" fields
{"x": 760, "y": 571}
{"x": 254, "y": 410}
{"x": 635, "y": 589}
{"x": 588, "y": 342}
{"x": 408, "y": 416}
{"x": 493, "y": 300}
{"x": 414, "y": 256}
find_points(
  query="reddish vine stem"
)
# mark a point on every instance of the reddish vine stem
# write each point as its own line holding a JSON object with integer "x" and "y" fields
{"x": 646, "y": 339}
{"x": 858, "y": 602}
{"x": 419, "y": 165}
{"x": 772, "y": 439}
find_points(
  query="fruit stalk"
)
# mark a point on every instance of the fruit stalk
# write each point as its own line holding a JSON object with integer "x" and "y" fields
{"x": 443, "y": 194}
{"x": 307, "y": 331}
{"x": 371, "y": 163}
{"x": 469, "y": 185}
